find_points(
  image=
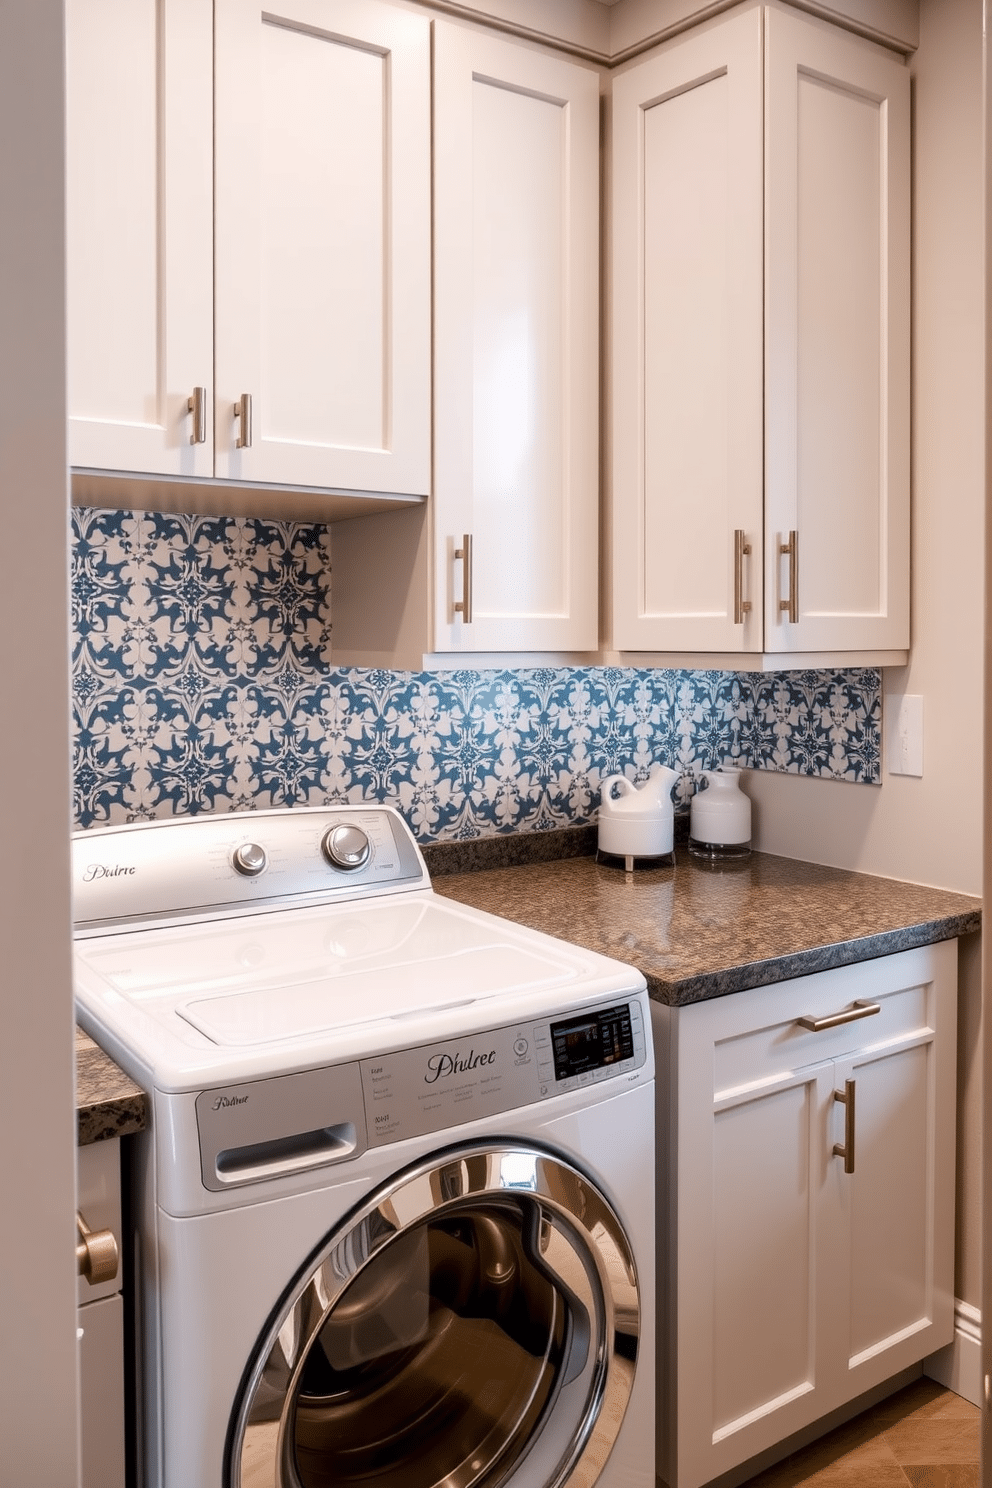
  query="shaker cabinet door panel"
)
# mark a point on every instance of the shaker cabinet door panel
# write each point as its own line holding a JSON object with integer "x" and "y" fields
{"x": 687, "y": 344}
{"x": 323, "y": 245}
{"x": 139, "y": 224}
{"x": 750, "y": 1216}
{"x": 837, "y": 347}
{"x": 899, "y": 1206}
{"x": 516, "y": 342}
{"x": 767, "y": 1166}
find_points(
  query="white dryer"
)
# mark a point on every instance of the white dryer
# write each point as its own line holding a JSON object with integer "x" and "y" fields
{"x": 394, "y": 1210}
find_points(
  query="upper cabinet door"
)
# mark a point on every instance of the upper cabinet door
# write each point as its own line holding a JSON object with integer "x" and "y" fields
{"x": 322, "y": 237}
{"x": 516, "y": 346}
{"x": 687, "y": 344}
{"x": 837, "y": 341}
{"x": 139, "y": 230}
{"x": 760, "y": 400}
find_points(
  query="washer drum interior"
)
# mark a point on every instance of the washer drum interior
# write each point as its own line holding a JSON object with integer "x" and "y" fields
{"x": 474, "y": 1323}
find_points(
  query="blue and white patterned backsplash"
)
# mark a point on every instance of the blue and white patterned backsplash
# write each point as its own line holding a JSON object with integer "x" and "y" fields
{"x": 202, "y": 681}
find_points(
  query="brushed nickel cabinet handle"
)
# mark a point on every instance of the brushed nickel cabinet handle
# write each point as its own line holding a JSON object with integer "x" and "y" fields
{"x": 463, "y": 606}
{"x": 242, "y": 411}
{"x": 860, "y": 1009}
{"x": 197, "y": 406}
{"x": 845, "y": 1149}
{"x": 97, "y": 1255}
{"x": 791, "y": 551}
{"x": 742, "y": 549}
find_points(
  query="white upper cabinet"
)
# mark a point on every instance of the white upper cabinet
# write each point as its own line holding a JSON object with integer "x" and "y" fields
{"x": 687, "y": 340}
{"x": 504, "y": 561}
{"x": 249, "y": 214}
{"x": 516, "y": 306}
{"x": 140, "y": 234}
{"x": 322, "y": 290}
{"x": 836, "y": 340}
{"x": 760, "y": 400}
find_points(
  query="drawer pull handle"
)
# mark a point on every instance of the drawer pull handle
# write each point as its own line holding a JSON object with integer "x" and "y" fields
{"x": 846, "y": 1149}
{"x": 97, "y": 1255}
{"x": 834, "y": 1020}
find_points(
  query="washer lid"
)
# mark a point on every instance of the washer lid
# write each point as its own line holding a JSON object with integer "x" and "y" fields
{"x": 343, "y": 997}
{"x": 282, "y": 990}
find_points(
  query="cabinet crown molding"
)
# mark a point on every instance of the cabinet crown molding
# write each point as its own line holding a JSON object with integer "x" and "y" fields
{"x": 610, "y": 32}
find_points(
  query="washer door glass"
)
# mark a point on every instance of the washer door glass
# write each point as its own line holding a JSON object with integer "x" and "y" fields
{"x": 472, "y": 1321}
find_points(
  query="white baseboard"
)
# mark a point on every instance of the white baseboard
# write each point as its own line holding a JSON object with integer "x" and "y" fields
{"x": 959, "y": 1365}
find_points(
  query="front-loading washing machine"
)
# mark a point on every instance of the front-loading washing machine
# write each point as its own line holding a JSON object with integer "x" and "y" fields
{"x": 394, "y": 1209}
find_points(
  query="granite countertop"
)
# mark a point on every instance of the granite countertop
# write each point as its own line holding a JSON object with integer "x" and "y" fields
{"x": 697, "y": 932}
{"x": 108, "y": 1103}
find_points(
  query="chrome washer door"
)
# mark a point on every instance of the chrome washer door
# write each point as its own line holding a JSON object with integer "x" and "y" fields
{"x": 465, "y": 1328}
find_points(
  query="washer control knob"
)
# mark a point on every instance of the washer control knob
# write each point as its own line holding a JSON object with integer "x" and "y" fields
{"x": 250, "y": 859}
{"x": 346, "y": 847}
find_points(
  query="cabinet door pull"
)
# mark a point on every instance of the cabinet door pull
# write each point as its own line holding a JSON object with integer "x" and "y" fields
{"x": 846, "y": 1148}
{"x": 96, "y": 1253}
{"x": 197, "y": 406}
{"x": 791, "y": 551}
{"x": 742, "y": 549}
{"x": 463, "y": 606}
{"x": 857, "y": 1010}
{"x": 242, "y": 411}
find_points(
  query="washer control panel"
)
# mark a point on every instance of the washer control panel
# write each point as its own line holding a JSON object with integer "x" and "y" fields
{"x": 207, "y": 867}
{"x": 435, "y": 1086}
{"x": 289, "y": 1124}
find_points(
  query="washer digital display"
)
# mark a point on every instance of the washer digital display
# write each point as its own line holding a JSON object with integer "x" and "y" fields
{"x": 592, "y": 1040}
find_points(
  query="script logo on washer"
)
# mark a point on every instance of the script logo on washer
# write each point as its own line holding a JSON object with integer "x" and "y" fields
{"x": 224, "y": 1102}
{"x": 440, "y": 1065}
{"x": 103, "y": 870}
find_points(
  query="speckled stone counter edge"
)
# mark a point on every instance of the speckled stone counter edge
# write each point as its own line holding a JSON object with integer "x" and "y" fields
{"x": 818, "y": 958}
{"x": 108, "y": 1103}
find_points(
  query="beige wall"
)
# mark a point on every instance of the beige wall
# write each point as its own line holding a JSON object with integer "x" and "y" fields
{"x": 37, "y": 1108}
{"x": 929, "y": 829}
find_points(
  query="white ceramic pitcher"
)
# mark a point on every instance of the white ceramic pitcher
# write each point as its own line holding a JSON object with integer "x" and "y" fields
{"x": 638, "y": 821}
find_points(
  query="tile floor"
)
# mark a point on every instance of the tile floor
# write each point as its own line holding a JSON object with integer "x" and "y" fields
{"x": 924, "y": 1436}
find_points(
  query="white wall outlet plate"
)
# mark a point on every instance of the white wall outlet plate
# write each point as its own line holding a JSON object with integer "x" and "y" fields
{"x": 902, "y": 726}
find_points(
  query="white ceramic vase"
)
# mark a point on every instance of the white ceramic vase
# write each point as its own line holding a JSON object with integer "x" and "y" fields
{"x": 720, "y": 817}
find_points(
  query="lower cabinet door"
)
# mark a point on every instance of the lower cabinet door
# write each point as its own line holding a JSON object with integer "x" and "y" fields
{"x": 896, "y": 1211}
{"x": 101, "y": 1391}
{"x": 768, "y": 1197}
{"x": 812, "y": 1245}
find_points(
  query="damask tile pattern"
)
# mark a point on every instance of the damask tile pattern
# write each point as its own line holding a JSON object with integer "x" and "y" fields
{"x": 202, "y": 681}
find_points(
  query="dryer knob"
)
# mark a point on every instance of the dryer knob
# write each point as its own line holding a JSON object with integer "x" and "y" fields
{"x": 346, "y": 847}
{"x": 250, "y": 859}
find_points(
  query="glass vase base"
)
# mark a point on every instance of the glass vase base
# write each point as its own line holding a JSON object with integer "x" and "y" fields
{"x": 719, "y": 851}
